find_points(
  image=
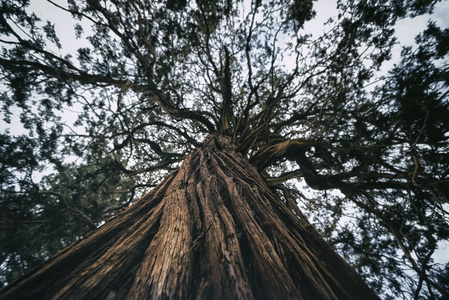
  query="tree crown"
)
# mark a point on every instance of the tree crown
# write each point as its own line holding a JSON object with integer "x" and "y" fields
{"x": 153, "y": 78}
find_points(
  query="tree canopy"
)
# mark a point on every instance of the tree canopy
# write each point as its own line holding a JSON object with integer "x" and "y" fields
{"x": 105, "y": 121}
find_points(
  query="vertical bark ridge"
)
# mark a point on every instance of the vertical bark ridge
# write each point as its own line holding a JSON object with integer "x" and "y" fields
{"x": 212, "y": 230}
{"x": 119, "y": 258}
{"x": 264, "y": 254}
{"x": 165, "y": 271}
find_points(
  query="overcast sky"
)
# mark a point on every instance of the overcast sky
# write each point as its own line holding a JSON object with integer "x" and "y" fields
{"x": 406, "y": 30}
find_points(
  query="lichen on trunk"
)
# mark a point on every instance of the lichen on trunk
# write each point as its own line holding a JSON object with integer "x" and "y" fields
{"x": 211, "y": 230}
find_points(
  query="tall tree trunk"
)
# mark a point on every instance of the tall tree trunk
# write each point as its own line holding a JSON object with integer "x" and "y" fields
{"x": 211, "y": 230}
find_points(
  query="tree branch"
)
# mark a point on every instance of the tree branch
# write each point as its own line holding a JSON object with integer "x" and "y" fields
{"x": 83, "y": 216}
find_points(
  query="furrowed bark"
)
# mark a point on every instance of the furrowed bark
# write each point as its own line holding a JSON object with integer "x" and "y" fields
{"x": 212, "y": 230}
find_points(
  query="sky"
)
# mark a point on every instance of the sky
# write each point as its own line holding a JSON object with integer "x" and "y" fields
{"x": 406, "y": 30}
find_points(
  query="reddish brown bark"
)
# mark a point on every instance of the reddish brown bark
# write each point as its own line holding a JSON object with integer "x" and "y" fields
{"x": 211, "y": 230}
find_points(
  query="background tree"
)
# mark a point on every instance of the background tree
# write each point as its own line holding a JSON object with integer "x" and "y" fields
{"x": 157, "y": 77}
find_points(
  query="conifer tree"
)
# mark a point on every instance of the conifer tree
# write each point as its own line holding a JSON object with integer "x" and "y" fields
{"x": 217, "y": 115}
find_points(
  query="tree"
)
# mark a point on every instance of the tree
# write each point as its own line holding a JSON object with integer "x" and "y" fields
{"x": 211, "y": 230}
{"x": 227, "y": 104}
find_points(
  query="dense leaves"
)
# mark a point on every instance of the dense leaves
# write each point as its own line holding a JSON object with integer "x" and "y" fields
{"x": 144, "y": 82}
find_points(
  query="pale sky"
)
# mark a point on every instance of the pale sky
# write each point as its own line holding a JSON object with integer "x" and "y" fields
{"x": 406, "y": 30}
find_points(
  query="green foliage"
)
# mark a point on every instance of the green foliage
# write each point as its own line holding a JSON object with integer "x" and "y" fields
{"x": 148, "y": 80}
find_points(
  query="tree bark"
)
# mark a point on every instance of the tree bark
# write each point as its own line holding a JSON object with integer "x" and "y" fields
{"x": 211, "y": 230}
